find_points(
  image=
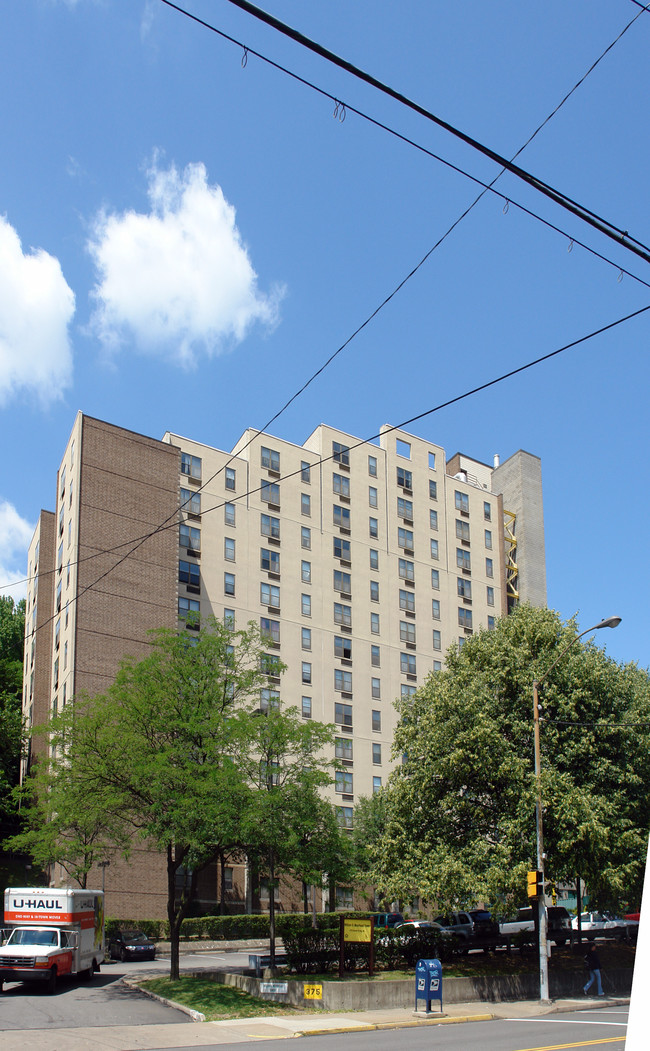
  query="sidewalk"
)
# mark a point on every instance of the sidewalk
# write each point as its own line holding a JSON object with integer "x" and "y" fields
{"x": 248, "y": 1030}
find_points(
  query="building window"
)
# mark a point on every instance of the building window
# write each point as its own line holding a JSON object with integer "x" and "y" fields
{"x": 437, "y": 665}
{"x": 270, "y": 630}
{"x": 343, "y": 748}
{"x": 407, "y": 631}
{"x": 341, "y": 548}
{"x": 343, "y": 782}
{"x": 407, "y": 601}
{"x": 404, "y": 478}
{"x": 305, "y": 537}
{"x": 230, "y": 478}
{"x": 461, "y": 502}
{"x": 343, "y": 714}
{"x": 342, "y": 681}
{"x": 191, "y": 502}
{"x": 270, "y": 459}
{"x": 189, "y": 537}
{"x": 65, "y": 655}
{"x": 374, "y": 623}
{"x": 404, "y": 508}
{"x": 374, "y": 558}
{"x": 228, "y": 514}
{"x": 306, "y": 672}
{"x": 462, "y": 530}
{"x": 270, "y": 526}
{"x": 305, "y": 605}
{"x": 487, "y": 511}
{"x": 407, "y": 663}
{"x": 341, "y": 516}
{"x": 305, "y": 572}
{"x": 376, "y": 754}
{"x": 435, "y": 608}
{"x": 435, "y": 549}
{"x": 372, "y": 496}
{"x": 463, "y": 560}
{"x": 229, "y": 549}
{"x": 269, "y": 560}
{"x": 489, "y": 567}
{"x": 432, "y": 461}
{"x": 376, "y": 785}
{"x": 461, "y": 641}
{"x": 405, "y": 539}
{"x": 464, "y": 588}
{"x": 189, "y": 573}
{"x": 345, "y": 820}
{"x": 342, "y": 581}
{"x": 229, "y": 619}
{"x": 433, "y": 489}
{"x": 376, "y": 720}
{"x": 437, "y": 641}
{"x": 269, "y": 595}
{"x": 406, "y": 569}
{"x": 435, "y": 579}
{"x": 305, "y": 472}
{"x": 342, "y": 648}
{"x": 188, "y": 609}
{"x": 375, "y": 689}
{"x": 373, "y": 528}
{"x": 490, "y": 596}
{"x": 464, "y": 617}
{"x": 306, "y": 707}
{"x": 488, "y": 539}
{"x": 491, "y": 623}
{"x": 305, "y": 638}
{"x": 341, "y": 485}
{"x": 342, "y": 614}
{"x": 229, "y": 583}
{"x": 341, "y": 453}
{"x": 372, "y": 466}
{"x": 375, "y": 656}
{"x": 191, "y": 465}
{"x": 270, "y": 492}
{"x": 374, "y": 591}
{"x": 433, "y": 519}
{"x": 407, "y": 691}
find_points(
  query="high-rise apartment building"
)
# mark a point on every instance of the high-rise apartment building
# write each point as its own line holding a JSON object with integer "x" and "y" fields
{"x": 362, "y": 563}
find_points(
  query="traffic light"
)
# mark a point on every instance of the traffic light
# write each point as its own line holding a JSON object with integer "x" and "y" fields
{"x": 535, "y": 884}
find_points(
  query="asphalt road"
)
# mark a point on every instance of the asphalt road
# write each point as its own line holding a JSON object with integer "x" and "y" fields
{"x": 104, "y": 1000}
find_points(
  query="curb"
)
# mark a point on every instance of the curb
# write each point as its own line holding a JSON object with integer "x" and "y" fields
{"x": 437, "y": 1020}
{"x": 196, "y": 1016}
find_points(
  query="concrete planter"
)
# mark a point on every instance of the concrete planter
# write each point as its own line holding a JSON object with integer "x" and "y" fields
{"x": 400, "y": 992}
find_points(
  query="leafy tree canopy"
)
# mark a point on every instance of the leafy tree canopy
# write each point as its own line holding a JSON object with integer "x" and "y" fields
{"x": 12, "y": 634}
{"x": 460, "y": 822}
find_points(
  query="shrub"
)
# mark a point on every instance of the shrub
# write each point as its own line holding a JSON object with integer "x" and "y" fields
{"x": 311, "y": 950}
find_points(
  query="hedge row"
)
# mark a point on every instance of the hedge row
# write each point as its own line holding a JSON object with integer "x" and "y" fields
{"x": 317, "y": 951}
{"x": 231, "y": 928}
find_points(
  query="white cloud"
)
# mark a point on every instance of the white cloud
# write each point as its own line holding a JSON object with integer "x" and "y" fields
{"x": 16, "y": 536}
{"x": 178, "y": 280}
{"x": 36, "y": 308}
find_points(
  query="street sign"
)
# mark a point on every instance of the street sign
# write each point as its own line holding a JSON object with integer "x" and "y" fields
{"x": 313, "y": 992}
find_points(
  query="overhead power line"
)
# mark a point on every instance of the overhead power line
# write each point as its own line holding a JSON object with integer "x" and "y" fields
{"x": 582, "y": 212}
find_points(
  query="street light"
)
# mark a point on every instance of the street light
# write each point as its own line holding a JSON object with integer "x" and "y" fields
{"x": 610, "y": 622}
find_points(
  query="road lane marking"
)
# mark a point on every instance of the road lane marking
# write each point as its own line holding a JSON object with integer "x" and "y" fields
{"x": 563, "y": 1021}
{"x": 581, "y": 1043}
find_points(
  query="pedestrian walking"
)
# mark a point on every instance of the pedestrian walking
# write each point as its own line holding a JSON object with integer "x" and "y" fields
{"x": 592, "y": 964}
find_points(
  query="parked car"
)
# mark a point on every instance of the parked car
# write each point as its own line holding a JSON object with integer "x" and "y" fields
{"x": 387, "y": 919}
{"x": 131, "y": 945}
{"x": 475, "y": 928}
{"x": 557, "y": 918}
{"x": 410, "y": 925}
{"x": 601, "y": 923}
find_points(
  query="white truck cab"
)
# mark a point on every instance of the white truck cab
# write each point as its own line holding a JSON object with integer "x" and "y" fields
{"x": 50, "y": 932}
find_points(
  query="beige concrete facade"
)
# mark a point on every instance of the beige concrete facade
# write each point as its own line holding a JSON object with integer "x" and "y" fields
{"x": 361, "y": 562}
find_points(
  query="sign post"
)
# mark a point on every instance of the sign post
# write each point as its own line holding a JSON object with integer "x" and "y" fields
{"x": 357, "y": 932}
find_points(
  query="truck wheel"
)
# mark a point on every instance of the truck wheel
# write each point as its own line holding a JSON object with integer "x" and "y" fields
{"x": 51, "y": 982}
{"x": 1, "y": 985}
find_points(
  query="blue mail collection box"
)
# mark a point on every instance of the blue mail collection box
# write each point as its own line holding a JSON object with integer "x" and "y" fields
{"x": 428, "y": 982}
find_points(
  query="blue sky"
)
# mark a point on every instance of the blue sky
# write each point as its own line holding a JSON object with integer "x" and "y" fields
{"x": 185, "y": 238}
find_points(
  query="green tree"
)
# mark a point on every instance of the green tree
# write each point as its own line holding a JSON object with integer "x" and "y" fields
{"x": 158, "y": 753}
{"x": 461, "y": 807}
{"x": 12, "y": 634}
{"x": 286, "y": 823}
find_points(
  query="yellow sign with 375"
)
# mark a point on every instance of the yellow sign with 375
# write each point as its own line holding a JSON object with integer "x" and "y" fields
{"x": 313, "y": 992}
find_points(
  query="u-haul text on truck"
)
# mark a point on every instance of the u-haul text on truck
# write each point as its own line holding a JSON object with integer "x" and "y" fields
{"x": 51, "y": 932}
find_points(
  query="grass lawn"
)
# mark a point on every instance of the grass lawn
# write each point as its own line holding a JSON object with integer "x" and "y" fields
{"x": 215, "y": 1001}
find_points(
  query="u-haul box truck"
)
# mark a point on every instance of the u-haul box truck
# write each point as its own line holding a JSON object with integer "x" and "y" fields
{"x": 49, "y": 933}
